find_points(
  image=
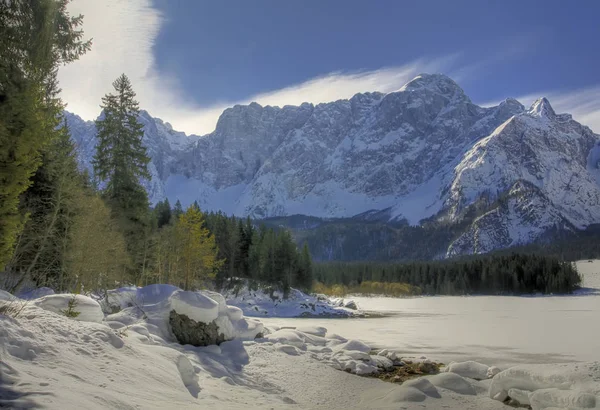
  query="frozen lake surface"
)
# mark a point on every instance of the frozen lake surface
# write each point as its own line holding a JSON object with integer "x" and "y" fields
{"x": 496, "y": 330}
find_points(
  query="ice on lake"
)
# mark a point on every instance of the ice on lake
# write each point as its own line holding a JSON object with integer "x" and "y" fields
{"x": 492, "y": 329}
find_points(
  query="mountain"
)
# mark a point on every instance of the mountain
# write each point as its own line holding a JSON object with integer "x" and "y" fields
{"x": 422, "y": 156}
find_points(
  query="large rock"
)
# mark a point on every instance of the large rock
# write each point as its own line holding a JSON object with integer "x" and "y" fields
{"x": 190, "y": 332}
{"x": 351, "y": 305}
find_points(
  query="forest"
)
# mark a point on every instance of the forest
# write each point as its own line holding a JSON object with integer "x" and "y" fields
{"x": 483, "y": 274}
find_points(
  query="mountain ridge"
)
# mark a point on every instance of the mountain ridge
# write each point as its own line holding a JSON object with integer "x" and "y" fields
{"x": 422, "y": 153}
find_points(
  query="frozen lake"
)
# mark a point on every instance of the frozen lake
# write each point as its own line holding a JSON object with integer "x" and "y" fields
{"x": 491, "y": 329}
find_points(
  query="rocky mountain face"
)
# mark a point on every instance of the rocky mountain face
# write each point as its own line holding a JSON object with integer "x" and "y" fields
{"x": 423, "y": 154}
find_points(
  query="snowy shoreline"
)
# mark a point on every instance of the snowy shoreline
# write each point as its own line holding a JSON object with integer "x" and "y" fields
{"x": 130, "y": 359}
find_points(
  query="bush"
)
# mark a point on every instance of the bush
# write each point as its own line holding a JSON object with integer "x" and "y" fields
{"x": 70, "y": 310}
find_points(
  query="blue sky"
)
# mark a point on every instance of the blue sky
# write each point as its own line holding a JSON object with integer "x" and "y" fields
{"x": 233, "y": 49}
{"x": 190, "y": 59}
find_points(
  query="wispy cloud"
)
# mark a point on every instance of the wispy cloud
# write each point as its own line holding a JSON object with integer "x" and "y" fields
{"x": 123, "y": 34}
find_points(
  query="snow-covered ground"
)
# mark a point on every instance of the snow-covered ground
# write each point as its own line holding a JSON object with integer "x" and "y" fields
{"x": 130, "y": 361}
{"x": 261, "y": 303}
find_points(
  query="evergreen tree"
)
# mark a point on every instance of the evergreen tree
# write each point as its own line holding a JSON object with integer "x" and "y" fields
{"x": 244, "y": 242}
{"x": 304, "y": 275}
{"x": 120, "y": 162}
{"x": 177, "y": 210}
{"x": 162, "y": 211}
{"x": 51, "y": 203}
{"x": 285, "y": 260}
{"x": 36, "y": 37}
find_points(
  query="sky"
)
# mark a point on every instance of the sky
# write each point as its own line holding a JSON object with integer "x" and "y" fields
{"x": 190, "y": 59}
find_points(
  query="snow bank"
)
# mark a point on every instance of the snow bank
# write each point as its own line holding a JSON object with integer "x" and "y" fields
{"x": 4, "y": 295}
{"x": 266, "y": 303}
{"x": 130, "y": 296}
{"x": 130, "y": 361}
{"x": 89, "y": 310}
{"x": 471, "y": 369}
{"x": 550, "y": 386}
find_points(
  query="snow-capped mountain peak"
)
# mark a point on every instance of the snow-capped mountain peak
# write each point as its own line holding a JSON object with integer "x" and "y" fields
{"x": 542, "y": 108}
{"x": 437, "y": 83}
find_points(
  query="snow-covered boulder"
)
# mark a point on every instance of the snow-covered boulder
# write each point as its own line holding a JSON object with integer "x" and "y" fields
{"x": 471, "y": 369}
{"x": 89, "y": 310}
{"x": 382, "y": 362}
{"x": 203, "y": 318}
{"x": 355, "y": 345}
{"x": 549, "y": 386}
{"x": 453, "y": 382}
{"x": 198, "y": 318}
{"x": 190, "y": 332}
{"x": 389, "y": 354}
{"x": 194, "y": 305}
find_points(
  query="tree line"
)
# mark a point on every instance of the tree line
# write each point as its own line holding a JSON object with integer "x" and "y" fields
{"x": 485, "y": 274}
{"x": 245, "y": 251}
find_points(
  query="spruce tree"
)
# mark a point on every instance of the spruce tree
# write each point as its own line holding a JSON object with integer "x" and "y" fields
{"x": 304, "y": 274}
{"x": 120, "y": 163}
{"x": 162, "y": 211}
{"x": 177, "y": 210}
{"x": 36, "y": 37}
{"x": 50, "y": 203}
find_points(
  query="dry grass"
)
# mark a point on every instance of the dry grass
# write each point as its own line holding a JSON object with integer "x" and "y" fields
{"x": 13, "y": 307}
{"x": 368, "y": 288}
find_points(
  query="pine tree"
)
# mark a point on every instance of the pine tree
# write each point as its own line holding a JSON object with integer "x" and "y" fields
{"x": 121, "y": 162}
{"x": 36, "y": 37}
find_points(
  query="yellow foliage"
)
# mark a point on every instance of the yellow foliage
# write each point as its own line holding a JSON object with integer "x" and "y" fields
{"x": 368, "y": 288}
{"x": 196, "y": 249}
{"x": 97, "y": 257}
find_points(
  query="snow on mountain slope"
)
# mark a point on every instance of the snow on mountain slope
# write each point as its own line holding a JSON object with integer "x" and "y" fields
{"x": 335, "y": 159}
{"x": 543, "y": 161}
{"x": 425, "y": 151}
{"x": 162, "y": 142}
{"x": 523, "y": 216}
